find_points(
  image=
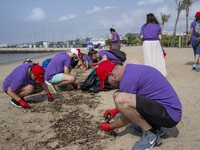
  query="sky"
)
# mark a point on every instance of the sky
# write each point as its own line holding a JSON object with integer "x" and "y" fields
{"x": 24, "y": 21}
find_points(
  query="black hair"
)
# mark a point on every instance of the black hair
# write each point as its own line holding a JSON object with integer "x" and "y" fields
{"x": 151, "y": 19}
{"x": 91, "y": 52}
{"x": 112, "y": 30}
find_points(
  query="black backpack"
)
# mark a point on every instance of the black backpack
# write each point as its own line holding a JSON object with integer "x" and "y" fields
{"x": 119, "y": 54}
{"x": 92, "y": 83}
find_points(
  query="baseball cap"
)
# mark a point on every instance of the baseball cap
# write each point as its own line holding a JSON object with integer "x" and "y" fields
{"x": 197, "y": 14}
{"x": 38, "y": 71}
{"x": 73, "y": 50}
{"x": 103, "y": 71}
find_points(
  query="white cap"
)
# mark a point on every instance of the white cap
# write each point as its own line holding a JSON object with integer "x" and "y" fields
{"x": 75, "y": 51}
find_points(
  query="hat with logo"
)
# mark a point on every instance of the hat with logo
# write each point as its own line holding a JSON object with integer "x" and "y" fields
{"x": 103, "y": 71}
{"x": 38, "y": 71}
{"x": 73, "y": 50}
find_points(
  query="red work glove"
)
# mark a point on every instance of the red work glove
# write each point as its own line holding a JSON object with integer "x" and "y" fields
{"x": 198, "y": 41}
{"x": 23, "y": 103}
{"x": 109, "y": 114}
{"x": 95, "y": 64}
{"x": 110, "y": 41}
{"x": 75, "y": 85}
{"x": 50, "y": 97}
{"x": 105, "y": 127}
{"x": 164, "y": 53}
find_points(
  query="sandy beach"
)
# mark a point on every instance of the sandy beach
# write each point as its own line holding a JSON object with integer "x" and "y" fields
{"x": 72, "y": 121}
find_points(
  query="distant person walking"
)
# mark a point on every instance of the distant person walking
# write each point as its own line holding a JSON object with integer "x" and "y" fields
{"x": 194, "y": 39}
{"x": 151, "y": 34}
{"x": 115, "y": 41}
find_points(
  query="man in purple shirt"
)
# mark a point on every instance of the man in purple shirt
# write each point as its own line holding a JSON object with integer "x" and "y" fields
{"x": 59, "y": 68}
{"x": 103, "y": 55}
{"x": 24, "y": 80}
{"x": 115, "y": 39}
{"x": 145, "y": 98}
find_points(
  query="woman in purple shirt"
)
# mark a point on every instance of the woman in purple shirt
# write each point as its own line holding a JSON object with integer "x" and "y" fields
{"x": 145, "y": 98}
{"x": 151, "y": 35}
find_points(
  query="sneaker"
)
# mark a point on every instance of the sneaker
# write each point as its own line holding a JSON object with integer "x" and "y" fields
{"x": 198, "y": 66}
{"x": 15, "y": 103}
{"x": 194, "y": 66}
{"x": 147, "y": 141}
{"x": 161, "y": 131}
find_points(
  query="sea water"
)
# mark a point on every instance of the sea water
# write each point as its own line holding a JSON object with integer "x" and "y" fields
{"x": 13, "y": 57}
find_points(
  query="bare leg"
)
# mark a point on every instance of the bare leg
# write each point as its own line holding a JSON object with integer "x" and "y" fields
{"x": 67, "y": 79}
{"x": 126, "y": 103}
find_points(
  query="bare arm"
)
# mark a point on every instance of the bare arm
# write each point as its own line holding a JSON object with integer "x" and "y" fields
{"x": 67, "y": 70}
{"x": 13, "y": 94}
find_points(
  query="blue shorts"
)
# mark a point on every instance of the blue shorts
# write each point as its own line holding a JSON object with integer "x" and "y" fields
{"x": 196, "y": 48}
{"x": 56, "y": 79}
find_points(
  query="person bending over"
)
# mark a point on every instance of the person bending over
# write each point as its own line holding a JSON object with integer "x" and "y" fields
{"x": 144, "y": 98}
{"x": 25, "y": 80}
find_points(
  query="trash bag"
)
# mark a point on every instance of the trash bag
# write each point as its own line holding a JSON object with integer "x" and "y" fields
{"x": 92, "y": 83}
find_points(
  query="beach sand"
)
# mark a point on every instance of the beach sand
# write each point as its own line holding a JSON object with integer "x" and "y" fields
{"x": 72, "y": 121}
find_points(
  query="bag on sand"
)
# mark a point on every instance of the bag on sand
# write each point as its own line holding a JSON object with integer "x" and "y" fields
{"x": 92, "y": 83}
{"x": 119, "y": 54}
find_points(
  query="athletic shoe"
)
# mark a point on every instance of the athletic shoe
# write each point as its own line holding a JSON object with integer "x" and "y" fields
{"x": 147, "y": 141}
{"x": 15, "y": 103}
{"x": 161, "y": 131}
{"x": 194, "y": 66}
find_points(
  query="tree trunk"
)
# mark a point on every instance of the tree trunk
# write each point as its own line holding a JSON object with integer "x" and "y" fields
{"x": 174, "y": 31}
{"x": 187, "y": 14}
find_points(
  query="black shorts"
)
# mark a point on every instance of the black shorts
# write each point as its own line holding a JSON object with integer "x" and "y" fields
{"x": 154, "y": 113}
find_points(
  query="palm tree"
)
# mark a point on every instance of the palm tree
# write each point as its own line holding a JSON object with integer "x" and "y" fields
{"x": 180, "y": 7}
{"x": 164, "y": 19}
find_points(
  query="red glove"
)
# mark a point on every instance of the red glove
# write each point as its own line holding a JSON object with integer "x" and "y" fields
{"x": 95, "y": 64}
{"x": 164, "y": 53}
{"x": 110, "y": 41}
{"x": 23, "y": 103}
{"x": 50, "y": 97}
{"x": 75, "y": 85}
{"x": 109, "y": 114}
{"x": 198, "y": 41}
{"x": 105, "y": 127}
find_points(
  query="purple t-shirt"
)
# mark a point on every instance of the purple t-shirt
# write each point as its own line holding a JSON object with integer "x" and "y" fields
{"x": 87, "y": 58}
{"x": 57, "y": 64}
{"x": 150, "y": 83}
{"x": 116, "y": 36}
{"x": 109, "y": 55}
{"x": 18, "y": 78}
{"x": 151, "y": 31}
{"x": 193, "y": 26}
